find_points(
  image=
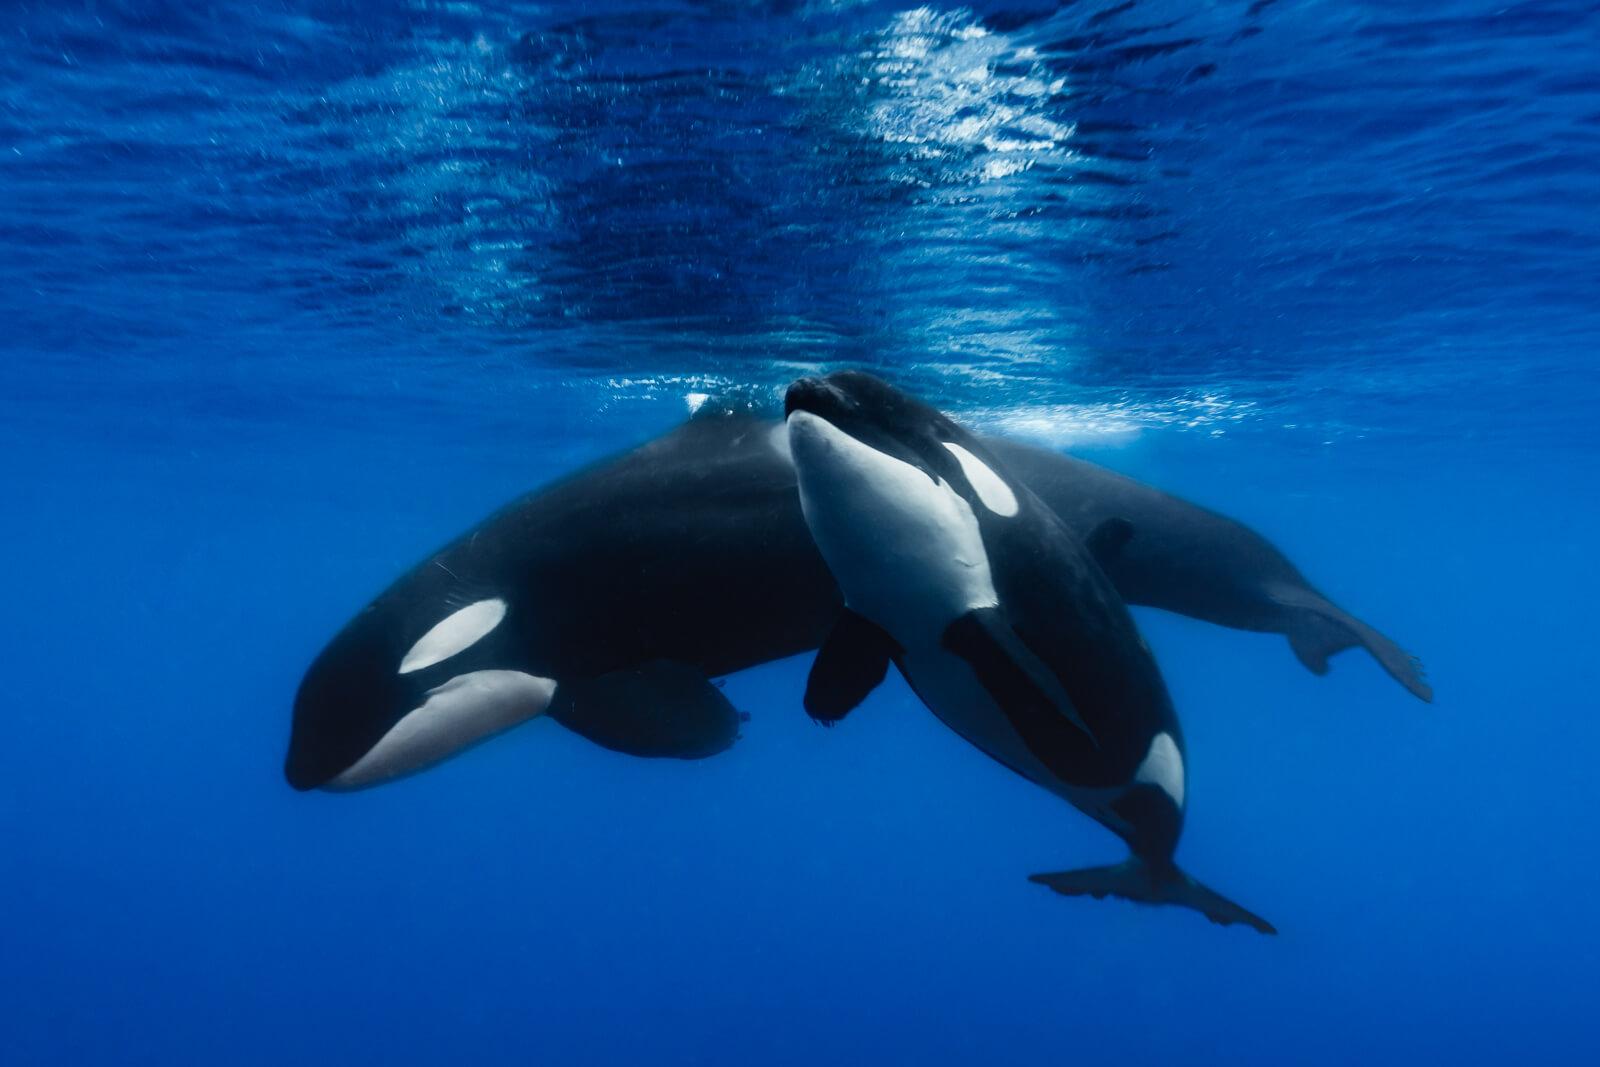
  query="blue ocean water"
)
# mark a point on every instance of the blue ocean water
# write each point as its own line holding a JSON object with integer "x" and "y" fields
{"x": 293, "y": 293}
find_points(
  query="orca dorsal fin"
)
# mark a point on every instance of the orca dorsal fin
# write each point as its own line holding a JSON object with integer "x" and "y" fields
{"x": 1106, "y": 541}
{"x": 850, "y": 664}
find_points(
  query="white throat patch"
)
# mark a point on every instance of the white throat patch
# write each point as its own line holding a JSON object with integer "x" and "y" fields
{"x": 459, "y": 713}
{"x": 457, "y": 631}
{"x": 990, "y": 487}
{"x": 906, "y": 549}
{"x": 1163, "y": 767}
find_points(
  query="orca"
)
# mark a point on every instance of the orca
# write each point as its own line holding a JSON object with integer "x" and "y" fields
{"x": 999, "y": 617}
{"x": 1193, "y": 561}
{"x": 618, "y": 592}
{"x": 606, "y": 602}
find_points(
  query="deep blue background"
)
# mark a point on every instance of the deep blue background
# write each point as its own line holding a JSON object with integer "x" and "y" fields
{"x": 293, "y": 293}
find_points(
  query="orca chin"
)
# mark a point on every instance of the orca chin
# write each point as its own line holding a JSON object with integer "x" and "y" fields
{"x": 448, "y": 719}
{"x": 453, "y": 717}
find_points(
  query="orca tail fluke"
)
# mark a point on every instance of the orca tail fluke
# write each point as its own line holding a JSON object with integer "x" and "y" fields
{"x": 1134, "y": 880}
{"x": 1320, "y": 628}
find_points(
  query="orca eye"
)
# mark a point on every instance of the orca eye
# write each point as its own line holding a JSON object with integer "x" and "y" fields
{"x": 455, "y": 632}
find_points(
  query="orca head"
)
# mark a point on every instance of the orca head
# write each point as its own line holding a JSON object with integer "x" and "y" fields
{"x": 876, "y": 414}
{"x": 414, "y": 679}
{"x": 888, "y": 502}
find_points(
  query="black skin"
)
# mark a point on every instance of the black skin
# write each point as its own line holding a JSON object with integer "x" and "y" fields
{"x": 612, "y": 567}
{"x": 1187, "y": 559}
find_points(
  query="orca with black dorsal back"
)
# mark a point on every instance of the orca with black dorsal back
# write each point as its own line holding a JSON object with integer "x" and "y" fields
{"x": 1000, "y": 619}
{"x": 607, "y": 601}
{"x": 609, "y": 598}
{"x": 1193, "y": 561}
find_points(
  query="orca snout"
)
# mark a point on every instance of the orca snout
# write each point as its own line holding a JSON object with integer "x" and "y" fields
{"x": 352, "y": 696}
{"x": 338, "y": 718}
{"x": 361, "y": 721}
{"x": 819, "y": 396}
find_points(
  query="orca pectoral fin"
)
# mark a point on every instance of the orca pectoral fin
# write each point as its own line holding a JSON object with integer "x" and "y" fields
{"x": 1031, "y": 697}
{"x": 1319, "y": 628}
{"x": 657, "y": 709}
{"x": 1106, "y": 541}
{"x": 1313, "y": 638}
{"x": 1133, "y": 880}
{"x": 850, "y": 664}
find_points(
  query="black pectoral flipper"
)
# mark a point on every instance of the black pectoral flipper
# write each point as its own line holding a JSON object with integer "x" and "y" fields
{"x": 661, "y": 708}
{"x": 1107, "y": 540}
{"x": 1317, "y": 628}
{"x": 850, "y": 664}
{"x": 1031, "y": 697}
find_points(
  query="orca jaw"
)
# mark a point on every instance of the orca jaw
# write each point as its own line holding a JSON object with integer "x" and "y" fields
{"x": 396, "y": 692}
{"x": 879, "y": 416}
{"x": 465, "y": 710}
{"x": 439, "y": 722}
{"x": 345, "y": 705}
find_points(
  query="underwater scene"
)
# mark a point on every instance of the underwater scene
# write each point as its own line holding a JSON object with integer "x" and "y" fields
{"x": 799, "y": 532}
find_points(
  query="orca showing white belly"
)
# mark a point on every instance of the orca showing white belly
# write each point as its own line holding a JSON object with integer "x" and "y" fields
{"x": 606, "y": 601}
{"x": 999, "y": 617}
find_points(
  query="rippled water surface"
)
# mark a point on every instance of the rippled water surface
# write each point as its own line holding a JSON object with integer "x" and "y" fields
{"x": 1338, "y": 217}
{"x": 292, "y": 293}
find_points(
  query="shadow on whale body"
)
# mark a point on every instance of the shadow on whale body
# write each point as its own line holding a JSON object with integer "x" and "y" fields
{"x": 608, "y": 600}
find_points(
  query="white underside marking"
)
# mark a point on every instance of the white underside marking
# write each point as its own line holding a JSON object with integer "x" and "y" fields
{"x": 455, "y": 632}
{"x": 905, "y": 550}
{"x": 1163, "y": 766}
{"x": 990, "y": 487}
{"x": 464, "y": 710}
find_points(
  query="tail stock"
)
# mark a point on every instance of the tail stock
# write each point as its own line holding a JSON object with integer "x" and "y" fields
{"x": 1320, "y": 628}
